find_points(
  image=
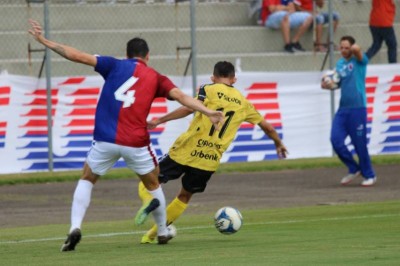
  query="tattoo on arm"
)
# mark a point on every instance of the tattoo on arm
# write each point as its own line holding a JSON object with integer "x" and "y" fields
{"x": 60, "y": 50}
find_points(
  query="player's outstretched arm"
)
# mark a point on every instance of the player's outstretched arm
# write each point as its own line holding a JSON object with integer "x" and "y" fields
{"x": 176, "y": 114}
{"x": 65, "y": 51}
{"x": 270, "y": 131}
{"x": 216, "y": 117}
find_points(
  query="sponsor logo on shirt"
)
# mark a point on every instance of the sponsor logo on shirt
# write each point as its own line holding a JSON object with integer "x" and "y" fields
{"x": 202, "y": 155}
{"x": 206, "y": 143}
{"x": 221, "y": 95}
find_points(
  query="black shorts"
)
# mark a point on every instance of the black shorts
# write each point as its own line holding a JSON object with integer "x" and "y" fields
{"x": 193, "y": 180}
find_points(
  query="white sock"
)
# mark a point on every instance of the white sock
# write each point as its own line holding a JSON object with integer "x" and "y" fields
{"x": 160, "y": 214}
{"x": 80, "y": 203}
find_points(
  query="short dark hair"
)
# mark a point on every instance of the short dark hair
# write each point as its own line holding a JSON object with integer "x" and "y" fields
{"x": 348, "y": 38}
{"x": 224, "y": 69}
{"x": 137, "y": 47}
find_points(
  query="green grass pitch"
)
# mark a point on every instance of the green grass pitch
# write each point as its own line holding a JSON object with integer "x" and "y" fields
{"x": 350, "y": 234}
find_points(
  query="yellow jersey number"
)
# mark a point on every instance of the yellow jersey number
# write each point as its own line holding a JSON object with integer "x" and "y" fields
{"x": 229, "y": 116}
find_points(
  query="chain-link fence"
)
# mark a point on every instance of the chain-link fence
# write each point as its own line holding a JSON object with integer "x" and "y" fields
{"x": 225, "y": 30}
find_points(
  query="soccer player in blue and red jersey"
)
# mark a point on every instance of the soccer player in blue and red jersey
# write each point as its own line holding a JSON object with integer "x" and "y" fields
{"x": 351, "y": 117}
{"x": 121, "y": 128}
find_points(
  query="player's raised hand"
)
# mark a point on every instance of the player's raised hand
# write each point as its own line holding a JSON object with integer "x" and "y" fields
{"x": 35, "y": 30}
{"x": 65, "y": 51}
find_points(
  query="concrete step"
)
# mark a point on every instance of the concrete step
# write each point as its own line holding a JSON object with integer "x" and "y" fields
{"x": 123, "y": 15}
{"x": 126, "y": 16}
{"x": 246, "y": 39}
{"x": 171, "y": 65}
{"x": 353, "y": 11}
{"x": 225, "y": 32}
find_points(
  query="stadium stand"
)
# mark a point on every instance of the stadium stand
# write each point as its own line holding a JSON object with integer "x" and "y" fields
{"x": 225, "y": 31}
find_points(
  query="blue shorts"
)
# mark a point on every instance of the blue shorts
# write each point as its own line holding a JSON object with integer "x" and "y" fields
{"x": 296, "y": 19}
{"x": 323, "y": 17}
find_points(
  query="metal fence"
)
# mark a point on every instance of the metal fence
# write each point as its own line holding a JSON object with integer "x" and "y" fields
{"x": 225, "y": 30}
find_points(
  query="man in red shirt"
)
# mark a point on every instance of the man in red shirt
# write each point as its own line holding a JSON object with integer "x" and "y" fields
{"x": 381, "y": 27}
{"x": 281, "y": 14}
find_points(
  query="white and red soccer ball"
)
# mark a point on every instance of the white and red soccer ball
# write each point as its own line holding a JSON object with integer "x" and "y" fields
{"x": 332, "y": 78}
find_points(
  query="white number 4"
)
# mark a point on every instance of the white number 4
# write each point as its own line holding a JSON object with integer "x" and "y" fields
{"x": 125, "y": 96}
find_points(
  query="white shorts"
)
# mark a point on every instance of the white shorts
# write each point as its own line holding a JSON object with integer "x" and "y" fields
{"x": 103, "y": 155}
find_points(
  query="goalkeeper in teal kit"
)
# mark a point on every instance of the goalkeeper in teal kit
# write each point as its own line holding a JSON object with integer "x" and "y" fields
{"x": 351, "y": 117}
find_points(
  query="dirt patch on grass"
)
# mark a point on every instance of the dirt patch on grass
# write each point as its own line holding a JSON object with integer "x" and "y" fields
{"x": 41, "y": 204}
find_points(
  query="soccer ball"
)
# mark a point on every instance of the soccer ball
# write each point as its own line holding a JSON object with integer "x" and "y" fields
{"x": 332, "y": 78}
{"x": 228, "y": 220}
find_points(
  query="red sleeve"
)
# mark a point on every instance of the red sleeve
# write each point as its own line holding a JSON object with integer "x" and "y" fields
{"x": 264, "y": 11}
{"x": 164, "y": 86}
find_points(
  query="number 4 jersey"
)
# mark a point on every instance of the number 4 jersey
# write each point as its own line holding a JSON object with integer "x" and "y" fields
{"x": 201, "y": 146}
{"x": 125, "y": 100}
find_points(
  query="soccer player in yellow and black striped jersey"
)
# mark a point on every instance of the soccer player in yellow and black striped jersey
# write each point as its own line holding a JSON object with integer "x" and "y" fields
{"x": 196, "y": 154}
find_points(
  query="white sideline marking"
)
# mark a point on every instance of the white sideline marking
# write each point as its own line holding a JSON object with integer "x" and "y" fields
{"x": 204, "y": 227}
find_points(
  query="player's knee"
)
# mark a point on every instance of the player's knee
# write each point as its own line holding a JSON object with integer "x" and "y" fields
{"x": 184, "y": 197}
{"x": 337, "y": 144}
{"x": 151, "y": 185}
{"x": 88, "y": 174}
{"x": 90, "y": 177}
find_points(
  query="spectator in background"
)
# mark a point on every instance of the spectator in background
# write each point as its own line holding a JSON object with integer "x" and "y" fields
{"x": 277, "y": 14}
{"x": 321, "y": 19}
{"x": 381, "y": 27}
